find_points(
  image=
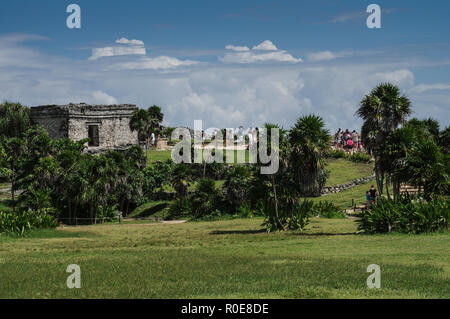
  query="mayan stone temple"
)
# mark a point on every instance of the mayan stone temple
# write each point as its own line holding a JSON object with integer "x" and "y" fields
{"x": 107, "y": 126}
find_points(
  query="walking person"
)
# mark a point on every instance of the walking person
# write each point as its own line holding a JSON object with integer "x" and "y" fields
{"x": 373, "y": 195}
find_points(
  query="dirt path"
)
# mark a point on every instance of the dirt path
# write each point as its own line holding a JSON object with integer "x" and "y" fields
{"x": 164, "y": 222}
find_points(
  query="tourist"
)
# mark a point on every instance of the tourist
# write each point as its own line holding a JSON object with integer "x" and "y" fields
{"x": 337, "y": 138}
{"x": 152, "y": 139}
{"x": 373, "y": 195}
{"x": 367, "y": 200}
{"x": 350, "y": 145}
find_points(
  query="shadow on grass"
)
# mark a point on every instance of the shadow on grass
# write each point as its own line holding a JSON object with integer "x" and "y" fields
{"x": 243, "y": 232}
{"x": 51, "y": 233}
{"x": 151, "y": 210}
{"x": 259, "y": 231}
{"x": 325, "y": 234}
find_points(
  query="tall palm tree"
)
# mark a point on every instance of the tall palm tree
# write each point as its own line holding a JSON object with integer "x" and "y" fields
{"x": 146, "y": 122}
{"x": 156, "y": 116}
{"x": 382, "y": 111}
{"x": 309, "y": 140}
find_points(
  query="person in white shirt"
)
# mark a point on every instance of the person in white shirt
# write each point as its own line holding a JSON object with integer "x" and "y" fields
{"x": 152, "y": 139}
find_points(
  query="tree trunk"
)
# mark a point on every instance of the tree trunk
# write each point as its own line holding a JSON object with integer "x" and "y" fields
{"x": 276, "y": 203}
{"x": 70, "y": 213}
{"x": 91, "y": 211}
{"x": 387, "y": 187}
{"x": 13, "y": 186}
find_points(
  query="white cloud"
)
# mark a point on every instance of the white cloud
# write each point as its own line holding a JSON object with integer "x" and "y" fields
{"x": 132, "y": 42}
{"x": 245, "y": 55}
{"x": 266, "y": 46}
{"x": 136, "y": 47}
{"x": 147, "y": 63}
{"x": 321, "y": 56}
{"x": 251, "y": 57}
{"x": 100, "y": 97}
{"x": 237, "y": 48}
{"x": 220, "y": 94}
{"x": 428, "y": 87}
{"x": 116, "y": 51}
{"x": 400, "y": 77}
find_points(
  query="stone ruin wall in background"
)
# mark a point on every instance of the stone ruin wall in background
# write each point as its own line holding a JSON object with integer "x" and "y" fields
{"x": 72, "y": 121}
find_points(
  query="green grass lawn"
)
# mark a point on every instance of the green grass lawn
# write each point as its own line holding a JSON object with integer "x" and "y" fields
{"x": 344, "y": 198}
{"x": 343, "y": 171}
{"x": 224, "y": 259}
{"x": 154, "y": 156}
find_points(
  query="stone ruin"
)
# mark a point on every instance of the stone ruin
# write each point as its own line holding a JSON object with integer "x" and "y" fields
{"x": 107, "y": 126}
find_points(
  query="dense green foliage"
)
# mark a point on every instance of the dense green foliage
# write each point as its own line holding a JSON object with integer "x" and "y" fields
{"x": 14, "y": 119}
{"x": 19, "y": 222}
{"x": 326, "y": 209}
{"x": 405, "y": 215}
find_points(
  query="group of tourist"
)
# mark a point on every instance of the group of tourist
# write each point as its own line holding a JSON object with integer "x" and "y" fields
{"x": 348, "y": 141}
{"x": 231, "y": 136}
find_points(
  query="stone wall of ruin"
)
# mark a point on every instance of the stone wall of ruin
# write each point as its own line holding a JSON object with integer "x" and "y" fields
{"x": 73, "y": 120}
{"x": 113, "y": 131}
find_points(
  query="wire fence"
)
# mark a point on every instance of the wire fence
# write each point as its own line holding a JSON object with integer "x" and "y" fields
{"x": 81, "y": 221}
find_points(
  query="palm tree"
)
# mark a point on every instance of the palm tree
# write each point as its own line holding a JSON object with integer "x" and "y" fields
{"x": 13, "y": 150}
{"x": 309, "y": 140}
{"x": 156, "y": 117}
{"x": 146, "y": 122}
{"x": 140, "y": 122}
{"x": 14, "y": 119}
{"x": 180, "y": 179}
{"x": 382, "y": 111}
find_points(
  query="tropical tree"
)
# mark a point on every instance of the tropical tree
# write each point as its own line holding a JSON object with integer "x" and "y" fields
{"x": 237, "y": 184}
{"x": 146, "y": 122}
{"x": 13, "y": 150}
{"x": 14, "y": 119}
{"x": 181, "y": 177}
{"x": 382, "y": 111}
{"x": 421, "y": 163}
{"x": 140, "y": 122}
{"x": 444, "y": 140}
{"x": 309, "y": 140}
{"x": 156, "y": 117}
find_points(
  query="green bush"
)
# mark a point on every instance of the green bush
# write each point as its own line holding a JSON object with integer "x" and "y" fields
{"x": 178, "y": 208}
{"x": 20, "y": 222}
{"x": 336, "y": 154}
{"x": 327, "y": 209}
{"x": 359, "y": 157}
{"x": 294, "y": 217}
{"x": 405, "y": 215}
{"x": 205, "y": 199}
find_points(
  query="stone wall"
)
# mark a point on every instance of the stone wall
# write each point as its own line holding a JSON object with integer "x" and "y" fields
{"x": 341, "y": 187}
{"x": 73, "y": 121}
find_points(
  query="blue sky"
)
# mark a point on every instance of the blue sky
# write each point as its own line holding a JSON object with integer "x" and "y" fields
{"x": 228, "y": 63}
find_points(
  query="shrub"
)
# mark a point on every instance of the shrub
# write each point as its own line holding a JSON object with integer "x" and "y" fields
{"x": 327, "y": 209}
{"x": 360, "y": 158}
{"x": 405, "y": 215}
{"x": 18, "y": 223}
{"x": 237, "y": 184}
{"x": 295, "y": 216}
{"x": 178, "y": 208}
{"x": 336, "y": 154}
{"x": 205, "y": 199}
